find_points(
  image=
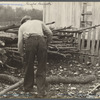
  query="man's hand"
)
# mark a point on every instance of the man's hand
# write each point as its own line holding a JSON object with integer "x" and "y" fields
{"x": 22, "y": 57}
{"x": 22, "y": 54}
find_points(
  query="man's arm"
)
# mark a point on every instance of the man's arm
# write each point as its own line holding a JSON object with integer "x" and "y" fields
{"x": 47, "y": 32}
{"x": 20, "y": 42}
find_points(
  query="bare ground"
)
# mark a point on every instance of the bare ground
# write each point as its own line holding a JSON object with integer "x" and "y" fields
{"x": 63, "y": 68}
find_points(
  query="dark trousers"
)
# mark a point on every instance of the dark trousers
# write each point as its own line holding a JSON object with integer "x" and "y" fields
{"x": 35, "y": 46}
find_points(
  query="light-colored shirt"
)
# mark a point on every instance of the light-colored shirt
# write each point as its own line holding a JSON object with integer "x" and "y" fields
{"x": 35, "y": 27}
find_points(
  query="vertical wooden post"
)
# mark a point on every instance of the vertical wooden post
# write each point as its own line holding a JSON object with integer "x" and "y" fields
{"x": 97, "y": 45}
{"x": 79, "y": 41}
{"x": 83, "y": 39}
{"x": 93, "y": 46}
{"x": 79, "y": 45}
{"x": 88, "y": 40}
{"x": 82, "y": 47}
{"x": 88, "y": 46}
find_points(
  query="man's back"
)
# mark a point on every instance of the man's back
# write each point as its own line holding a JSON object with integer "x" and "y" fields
{"x": 32, "y": 26}
{"x": 34, "y": 45}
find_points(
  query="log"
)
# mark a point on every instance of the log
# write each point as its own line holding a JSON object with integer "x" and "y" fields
{"x": 60, "y": 29}
{"x": 4, "y": 28}
{"x": 54, "y": 80}
{"x": 63, "y": 35}
{"x": 56, "y": 53}
{"x": 4, "y": 35}
{"x": 57, "y": 42}
{"x": 12, "y": 31}
{"x": 79, "y": 30}
{"x": 70, "y": 80}
{"x": 9, "y": 78}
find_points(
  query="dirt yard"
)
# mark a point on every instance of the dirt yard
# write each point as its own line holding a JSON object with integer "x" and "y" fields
{"x": 60, "y": 67}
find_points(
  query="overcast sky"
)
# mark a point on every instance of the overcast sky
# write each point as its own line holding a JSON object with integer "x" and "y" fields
{"x": 25, "y": 5}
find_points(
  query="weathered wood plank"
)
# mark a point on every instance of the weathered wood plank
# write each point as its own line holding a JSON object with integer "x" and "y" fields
{"x": 97, "y": 45}
{"x": 88, "y": 40}
{"x": 79, "y": 41}
{"x": 83, "y": 39}
{"x": 93, "y": 46}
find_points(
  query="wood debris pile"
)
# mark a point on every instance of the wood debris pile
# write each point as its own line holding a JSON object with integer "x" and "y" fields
{"x": 63, "y": 44}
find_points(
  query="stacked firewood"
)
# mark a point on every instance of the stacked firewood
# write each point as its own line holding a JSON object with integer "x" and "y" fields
{"x": 63, "y": 44}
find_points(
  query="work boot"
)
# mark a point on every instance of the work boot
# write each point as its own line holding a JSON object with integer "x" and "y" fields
{"x": 29, "y": 90}
{"x": 41, "y": 95}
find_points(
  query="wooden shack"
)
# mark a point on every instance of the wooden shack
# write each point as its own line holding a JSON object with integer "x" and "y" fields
{"x": 63, "y": 13}
{"x": 79, "y": 15}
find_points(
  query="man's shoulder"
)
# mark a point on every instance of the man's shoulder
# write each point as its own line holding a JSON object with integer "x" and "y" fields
{"x": 21, "y": 26}
{"x": 30, "y": 22}
{"x": 24, "y": 24}
{"x": 37, "y": 21}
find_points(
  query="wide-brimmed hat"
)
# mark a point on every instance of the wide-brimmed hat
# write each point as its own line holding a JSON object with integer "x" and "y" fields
{"x": 25, "y": 18}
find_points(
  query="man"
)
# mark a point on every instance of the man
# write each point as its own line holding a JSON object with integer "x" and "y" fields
{"x": 31, "y": 37}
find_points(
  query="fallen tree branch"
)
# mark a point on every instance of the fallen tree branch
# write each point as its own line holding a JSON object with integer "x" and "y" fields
{"x": 10, "y": 67}
{"x": 9, "y": 78}
{"x": 79, "y": 30}
{"x": 12, "y": 87}
{"x": 56, "y": 53}
{"x": 94, "y": 89}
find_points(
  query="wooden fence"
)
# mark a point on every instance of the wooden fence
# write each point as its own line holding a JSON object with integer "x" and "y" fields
{"x": 89, "y": 45}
